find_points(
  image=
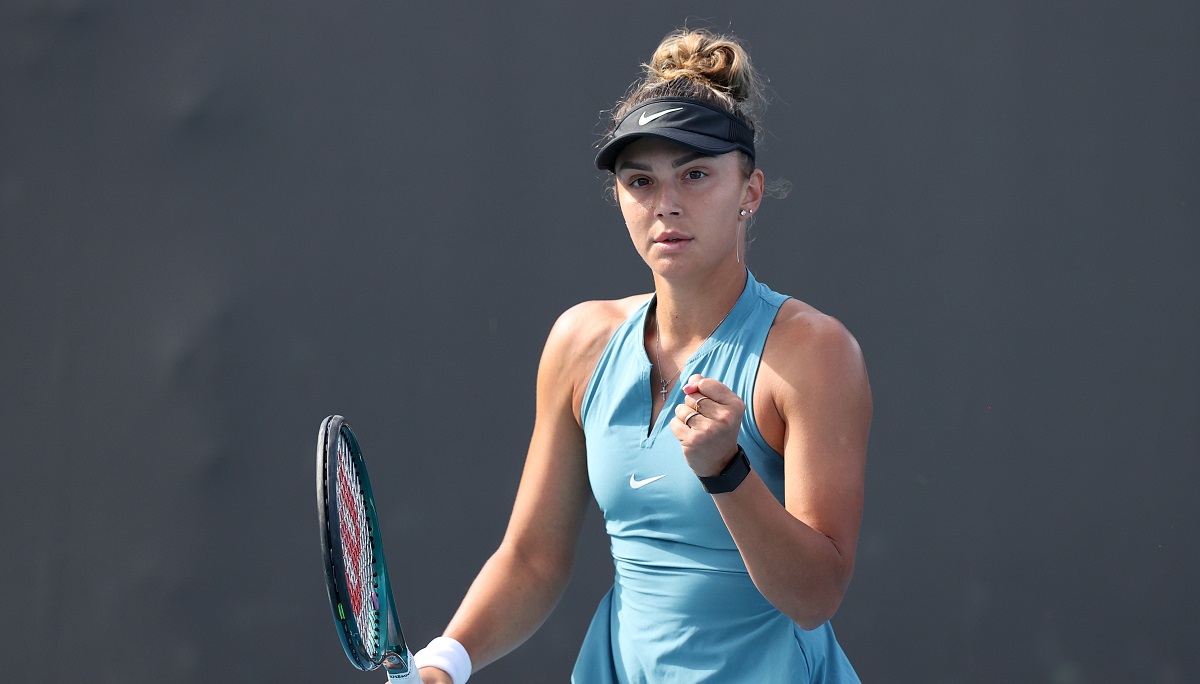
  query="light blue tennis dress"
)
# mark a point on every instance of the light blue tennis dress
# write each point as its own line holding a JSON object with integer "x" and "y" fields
{"x": 682, "y": 608}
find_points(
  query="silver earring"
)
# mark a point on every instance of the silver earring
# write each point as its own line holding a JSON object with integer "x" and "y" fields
{"x": 743, "y": 212}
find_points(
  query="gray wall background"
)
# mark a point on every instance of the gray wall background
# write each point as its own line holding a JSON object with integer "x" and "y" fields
{"x": 222, "y": 221}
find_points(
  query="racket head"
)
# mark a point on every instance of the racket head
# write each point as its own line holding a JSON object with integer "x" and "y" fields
{"x": 356, "y": 575}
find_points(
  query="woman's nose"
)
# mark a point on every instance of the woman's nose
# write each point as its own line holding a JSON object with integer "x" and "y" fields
{"x": 667, "y": 202}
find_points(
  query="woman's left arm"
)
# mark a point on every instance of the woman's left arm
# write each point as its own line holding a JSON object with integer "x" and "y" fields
{"x": 812, "y": 377}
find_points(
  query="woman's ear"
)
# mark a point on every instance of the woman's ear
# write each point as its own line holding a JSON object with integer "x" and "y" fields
{"x": 754, "y": 190}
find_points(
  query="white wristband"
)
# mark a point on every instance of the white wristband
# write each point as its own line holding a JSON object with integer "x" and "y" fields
{"x": 448, "y": 655}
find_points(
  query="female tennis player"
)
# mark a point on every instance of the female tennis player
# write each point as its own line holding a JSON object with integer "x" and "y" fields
{"x": 721, "y": 426}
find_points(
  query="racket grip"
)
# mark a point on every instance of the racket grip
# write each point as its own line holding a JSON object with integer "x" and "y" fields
{"x": 409, "y": 676}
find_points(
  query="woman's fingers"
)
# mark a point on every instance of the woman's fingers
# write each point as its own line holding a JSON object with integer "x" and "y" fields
{"x": 707, "y": 423}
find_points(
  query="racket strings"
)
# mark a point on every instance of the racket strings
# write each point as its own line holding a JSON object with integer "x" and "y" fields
{"x": 358, "y": 549}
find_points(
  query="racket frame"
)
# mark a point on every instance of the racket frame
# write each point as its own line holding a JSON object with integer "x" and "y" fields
{"x": 392, "y": 651}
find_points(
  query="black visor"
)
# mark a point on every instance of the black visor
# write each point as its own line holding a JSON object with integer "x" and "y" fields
{"x": 692, "y": 123}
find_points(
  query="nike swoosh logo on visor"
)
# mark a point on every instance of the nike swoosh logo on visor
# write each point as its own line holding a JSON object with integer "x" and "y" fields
{"x": 638, "y": 484}
{"x": 647, "y": 118}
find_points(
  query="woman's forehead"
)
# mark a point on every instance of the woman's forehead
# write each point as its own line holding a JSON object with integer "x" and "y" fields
{"x": 660, "y": 149}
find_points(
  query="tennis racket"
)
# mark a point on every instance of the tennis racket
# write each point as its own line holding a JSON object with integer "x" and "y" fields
{"x": 356, "y": 573}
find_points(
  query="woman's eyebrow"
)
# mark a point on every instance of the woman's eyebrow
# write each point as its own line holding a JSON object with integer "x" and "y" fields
{"x": 632, "y": 165}
{"x": 689, "y": 158}
{"x": 685, "y": 159}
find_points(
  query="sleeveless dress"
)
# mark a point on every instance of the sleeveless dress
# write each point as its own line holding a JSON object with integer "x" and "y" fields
{"x": 682, "y": 608}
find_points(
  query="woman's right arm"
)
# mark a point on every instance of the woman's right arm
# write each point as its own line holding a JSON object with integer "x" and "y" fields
{"x": 522, "y": 581}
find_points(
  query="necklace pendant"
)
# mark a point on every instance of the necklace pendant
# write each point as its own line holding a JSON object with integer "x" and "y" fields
{"x": 663, "y": 391}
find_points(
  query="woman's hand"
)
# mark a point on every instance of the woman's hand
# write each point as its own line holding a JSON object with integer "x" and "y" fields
{"x": 707, "y": 425}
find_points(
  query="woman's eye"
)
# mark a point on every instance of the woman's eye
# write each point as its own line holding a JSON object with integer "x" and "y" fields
{"x": 695, "y": 174}
{"x": 639, "y": 182}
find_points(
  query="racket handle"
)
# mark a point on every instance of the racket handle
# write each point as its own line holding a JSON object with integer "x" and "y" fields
{"x": 409, "y": 676}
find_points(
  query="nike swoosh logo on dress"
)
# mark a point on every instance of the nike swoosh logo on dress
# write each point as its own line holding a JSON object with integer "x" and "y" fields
{"x": 638, "y": 484}
{"x": 647, "y": 118}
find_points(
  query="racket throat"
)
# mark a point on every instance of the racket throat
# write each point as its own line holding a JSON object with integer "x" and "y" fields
{"x": 400, "y": 669}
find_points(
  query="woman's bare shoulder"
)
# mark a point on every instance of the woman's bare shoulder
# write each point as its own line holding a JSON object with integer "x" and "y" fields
{"x": 576, "y": 342}
{"x": 805, "y": 328}
{"x": 807, "y": 346}
{"x": 588, "y": 324}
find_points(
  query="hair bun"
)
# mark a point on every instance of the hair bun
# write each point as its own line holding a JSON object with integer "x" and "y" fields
{"x": 700, "y": 56}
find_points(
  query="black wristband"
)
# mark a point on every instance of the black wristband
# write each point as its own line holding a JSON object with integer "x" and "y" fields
{"x": 731, "y": 477}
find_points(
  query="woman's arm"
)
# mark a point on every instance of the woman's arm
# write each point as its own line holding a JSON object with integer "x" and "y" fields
{"x": 816, "y": 405}
{"x": 522, "y": 581}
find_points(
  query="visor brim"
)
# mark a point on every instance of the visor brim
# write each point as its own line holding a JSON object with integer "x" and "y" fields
{"x": 606, "y": 158}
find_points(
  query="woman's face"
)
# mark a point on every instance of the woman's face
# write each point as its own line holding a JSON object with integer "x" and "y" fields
{"x": 682, "y": 206}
